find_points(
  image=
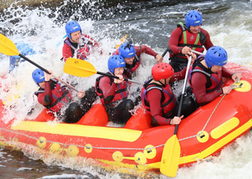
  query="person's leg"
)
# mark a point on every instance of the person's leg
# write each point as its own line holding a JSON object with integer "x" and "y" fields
{"x": 88, "y": 100}
{"x": 73, "y": 113}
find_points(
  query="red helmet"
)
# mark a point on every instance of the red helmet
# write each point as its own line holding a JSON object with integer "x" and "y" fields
{"x": 162, "y": 71}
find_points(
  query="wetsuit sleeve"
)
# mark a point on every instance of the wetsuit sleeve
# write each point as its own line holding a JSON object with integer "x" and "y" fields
{"x": 208, "y": 42}
{"x": 66, "y": 52}
{"x": 226, "y": 73}
{"x": 154, "y": 98}
{"x": 198, "y": 82}
{"x": 174, "y": 40}
{"x": 144, "y": 49}
{"x": 91, "y": 41}
{"x": 178, "y": 75}
{"x": 46, "y": 97}
{"x": 108, "y": 89}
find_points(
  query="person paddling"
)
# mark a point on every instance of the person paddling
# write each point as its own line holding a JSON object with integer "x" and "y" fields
{"x": 187, "y": 37}
{"x": 113, "y": 92}
{"x": 131, "y": 55}
{"x": 56, "y": 97}
{"x": 158, "y": 97}
{"x": 206, "y": 75}
{"x": 77, "y": 45}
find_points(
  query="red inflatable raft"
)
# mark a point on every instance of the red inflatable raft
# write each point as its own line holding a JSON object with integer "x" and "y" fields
{"x": 137, "y": 145}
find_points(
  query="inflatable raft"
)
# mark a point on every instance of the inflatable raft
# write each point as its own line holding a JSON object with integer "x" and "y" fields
{"x": 137, "y": 145}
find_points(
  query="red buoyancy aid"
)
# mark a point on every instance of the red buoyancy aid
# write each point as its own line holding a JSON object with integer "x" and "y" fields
{"x": 214, "y": 80}
{"x": 60, "y": 95}
{"x": 81, "y": 52}
{"x": 195, "y": 41}
{"x": 121, "y": 91}
{"x": 168, "y": 100}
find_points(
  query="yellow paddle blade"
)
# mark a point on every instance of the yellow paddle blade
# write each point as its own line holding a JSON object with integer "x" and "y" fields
{"x": 79, "y": 67}
{"x": 170, "y": 157}
{"x": 122, "y": 40}
{"x": 7, "y": 47}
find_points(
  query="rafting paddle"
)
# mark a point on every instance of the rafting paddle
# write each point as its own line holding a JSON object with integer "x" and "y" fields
{"x": 7, "y": 47}
{"x": 81, "y": 68}
{"x": 171, "y": 151}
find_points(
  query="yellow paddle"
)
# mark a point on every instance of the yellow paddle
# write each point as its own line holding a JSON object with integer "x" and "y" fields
{"x": 171, "y": 152}
{"x": 7, "y": 47}
{"x": 122, "y": 40}
{"x": 81, "y": 68}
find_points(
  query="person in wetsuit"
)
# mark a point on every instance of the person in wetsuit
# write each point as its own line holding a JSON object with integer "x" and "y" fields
{"x": 206, "y": 75}
{"x": 131, "y": 55}
{"x": 55, "y": 97}
{"x": 77, "y": 45}
{"x": 113, "y": 92}
{"x": 187, "y": 37}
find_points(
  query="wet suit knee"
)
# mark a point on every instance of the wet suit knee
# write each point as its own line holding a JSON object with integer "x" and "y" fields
{"x": 73, "y": 113}
{"x": 129, "y": 105}
{"x": 88, "y": 100}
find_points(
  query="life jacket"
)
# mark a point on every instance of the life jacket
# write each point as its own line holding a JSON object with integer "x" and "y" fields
{"x": 130, "y": 69}
{"x": 82, "y": 50}
{"x": 214, "y": 80}
{"x": 195, "y": 41}
{"x": 60, "y": 96}
{"x": 168, "y": 100}
{"x": 121, "y": 90}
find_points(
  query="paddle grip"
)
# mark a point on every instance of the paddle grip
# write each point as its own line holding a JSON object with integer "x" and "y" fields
{"x": 168, "y": 49}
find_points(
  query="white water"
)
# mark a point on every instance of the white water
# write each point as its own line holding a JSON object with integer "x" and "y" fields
{"x": 231, "y": 30}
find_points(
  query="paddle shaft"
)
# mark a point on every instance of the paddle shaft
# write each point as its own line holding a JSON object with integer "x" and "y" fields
{"x": 199, "y": 53}
{"x": 183, "y": 92}
{"x": 113, "y": 76}
{"x": 35, "y": 64}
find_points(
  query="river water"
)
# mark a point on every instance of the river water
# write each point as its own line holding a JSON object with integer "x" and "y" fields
{"x": 145, "y": 22}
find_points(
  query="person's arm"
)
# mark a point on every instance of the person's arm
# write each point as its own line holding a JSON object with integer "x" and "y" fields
{"x": 154, "y": 98}
{"x": 46, "y": 97}
{"x": 174, "y": 40}
{"x": 199, "y": 81}
{"x": 108, "y": 89}
{"x": 145, "y": 49}
{"x": 208, "y": 42}
{"x": 66, "y": 52}
{"x": 91, "y": 41}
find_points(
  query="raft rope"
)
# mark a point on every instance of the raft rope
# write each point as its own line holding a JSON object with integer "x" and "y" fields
{"x": 233, "y": 86}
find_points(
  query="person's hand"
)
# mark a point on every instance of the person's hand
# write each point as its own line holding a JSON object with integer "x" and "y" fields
{"x": 185, "y": 50}
{"x": 176, "y": 120}
{"x": 81, "y": 94}
{"x": 193, "y": 56}
{"x": 159, "y": 58}
{"x": 120, "y": 80}
{"x": 236, "y": 76}
{"x": 226, "y": 89}
{"x": 48, "y": 76}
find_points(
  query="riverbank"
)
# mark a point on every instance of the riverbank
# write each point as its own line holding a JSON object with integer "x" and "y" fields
{"x": 14, "y": 3}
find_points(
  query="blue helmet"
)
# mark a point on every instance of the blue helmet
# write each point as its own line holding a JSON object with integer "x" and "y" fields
{"x": 193, "y": 18}
{"x": 115, "y": 61}
{"x": 216, "y": 55}
{"x": 71, "y": 27}
{"x": 127, "y": 50}
{"x": 38, "y": 76}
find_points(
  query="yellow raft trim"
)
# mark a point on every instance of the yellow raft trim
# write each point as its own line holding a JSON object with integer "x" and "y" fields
{"x": 191, "y": 158}
{"x": 225, "y": 128}
{"x": 111, "y": 133}
{"x": 216, "y": 146}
